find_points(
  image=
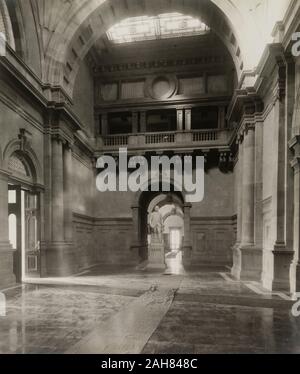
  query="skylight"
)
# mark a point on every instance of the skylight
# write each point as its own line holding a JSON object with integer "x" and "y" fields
{"x": 163, "y": 26}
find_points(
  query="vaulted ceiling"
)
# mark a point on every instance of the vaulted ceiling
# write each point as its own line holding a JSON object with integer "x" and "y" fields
{"x": 68, "y": 29}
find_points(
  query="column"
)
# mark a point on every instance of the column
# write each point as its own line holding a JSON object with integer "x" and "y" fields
{"x": 187, "y": 244}
{"x": 295, "y": 147}
{"x": 188, "y": 119}
{"x": 179, "y": 120}
{"x": 4, "y": 241}
{"x": 97, "y": 124}
{"x": 135, "y": 122}
{"x": 143, "y": 123}
{"x": 295, "y": 269}
{"x": 221, "y": 118}
{"x": 258, "y": 202}
{"x": 283, "y": 255}
{"x": 237, "y": 263}
{"x": 258, "y": 228}
{"x": 68, "y": 198}
{"x": 248, "y": 187}
{"x": 57, "y": 191}
{"x": 104, "y": 124}
{"x": 136, "y": 240}
{"x": 136, "y": 225}
{"x": 6, "y": 254}
{"x": 60, "y": 256}
{"x": 247, "y": 258}
{"x": 240, "y": 194}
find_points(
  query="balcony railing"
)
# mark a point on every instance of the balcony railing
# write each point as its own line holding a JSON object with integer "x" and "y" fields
{"x": 165, "y": 140}
{"x": 160, "y": 138}
{"x": 206, "y": 136}
{"x": 115, "y": 140}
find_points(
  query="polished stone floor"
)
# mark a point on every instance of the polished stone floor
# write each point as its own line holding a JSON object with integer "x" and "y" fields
{"x": 127, "y": 311}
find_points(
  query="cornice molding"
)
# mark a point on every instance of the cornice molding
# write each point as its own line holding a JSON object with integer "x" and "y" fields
{"x": 157, "y": 64}
{"x": 21, "y": 112}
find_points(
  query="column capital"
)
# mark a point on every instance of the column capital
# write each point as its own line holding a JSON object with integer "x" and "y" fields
{"x": 58, "y": 138}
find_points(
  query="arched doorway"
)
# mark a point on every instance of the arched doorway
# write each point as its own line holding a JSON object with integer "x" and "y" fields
{"x": 170, "y": 208}
{"x": 24, "y": 216}
{"x": 176, "y": 228}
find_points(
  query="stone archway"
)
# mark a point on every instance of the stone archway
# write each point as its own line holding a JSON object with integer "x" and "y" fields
{"x": 140, "y": 209}
{"x": 74, "y": 36}
{"x": 170, "y": 208}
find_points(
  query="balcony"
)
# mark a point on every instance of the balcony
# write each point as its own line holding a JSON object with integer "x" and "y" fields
{"x": 166, "y": 141}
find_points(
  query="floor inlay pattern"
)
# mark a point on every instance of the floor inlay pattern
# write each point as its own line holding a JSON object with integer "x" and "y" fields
{"x": 133, "y": 311}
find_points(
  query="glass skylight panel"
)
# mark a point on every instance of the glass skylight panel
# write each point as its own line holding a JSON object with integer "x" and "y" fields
{"x": 177, "y": 25}
{"x": 152, "y": 28}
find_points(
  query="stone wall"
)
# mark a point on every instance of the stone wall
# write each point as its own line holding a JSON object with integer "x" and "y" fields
{"x": 83, "y": 97}
{"x": 213, "y": 226}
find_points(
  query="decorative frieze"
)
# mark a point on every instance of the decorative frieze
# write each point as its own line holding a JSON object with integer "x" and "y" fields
{"x": 156, "y": 64}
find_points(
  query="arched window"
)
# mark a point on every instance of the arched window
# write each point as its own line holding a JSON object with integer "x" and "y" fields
{"x": 18, "y": 166}
{"x": 163, "y": 26}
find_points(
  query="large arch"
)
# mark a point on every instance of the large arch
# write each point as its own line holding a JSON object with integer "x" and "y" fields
{"x": 83, "y": 26}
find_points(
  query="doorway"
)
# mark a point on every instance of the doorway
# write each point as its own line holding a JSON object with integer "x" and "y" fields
{"x": 24, "y": 231}
{"x": 170, "y": 208}
{"x": 175, "y": 239}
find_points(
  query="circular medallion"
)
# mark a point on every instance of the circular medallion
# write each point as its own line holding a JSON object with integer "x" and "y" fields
{"x": 162, "y": 87}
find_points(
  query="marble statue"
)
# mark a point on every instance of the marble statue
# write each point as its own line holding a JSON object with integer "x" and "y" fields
{"x": 156, "y": 224}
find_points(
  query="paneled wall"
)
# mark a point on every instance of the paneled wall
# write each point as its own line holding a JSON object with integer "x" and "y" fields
{"x": 84, "y": 241}
{"x": 113, "y": 238}
{"x": 212, "y": 240}
{"x": 163, "y": 86}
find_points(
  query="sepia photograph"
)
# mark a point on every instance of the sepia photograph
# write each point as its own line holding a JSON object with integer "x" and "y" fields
{"x": 149, "y": 180}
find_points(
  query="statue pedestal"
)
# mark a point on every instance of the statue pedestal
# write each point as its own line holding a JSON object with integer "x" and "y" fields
{"x": 156, "y": 255}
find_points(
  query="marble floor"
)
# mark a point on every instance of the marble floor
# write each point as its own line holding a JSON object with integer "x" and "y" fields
{"x": 128, "y": 311}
